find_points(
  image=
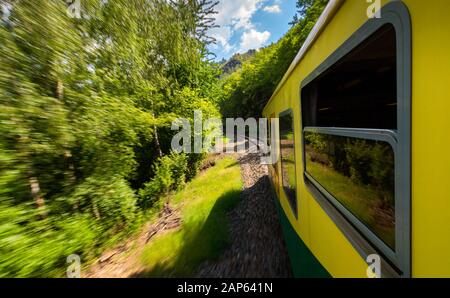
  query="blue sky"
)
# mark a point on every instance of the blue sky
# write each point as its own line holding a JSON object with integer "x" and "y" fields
{"x": 249, "y": 24}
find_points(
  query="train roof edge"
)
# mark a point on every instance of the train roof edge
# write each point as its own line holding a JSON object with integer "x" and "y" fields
{"x": 326, "y": 16}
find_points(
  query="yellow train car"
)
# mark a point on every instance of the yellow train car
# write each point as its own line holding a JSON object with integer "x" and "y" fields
{"x": 364, "y": 164}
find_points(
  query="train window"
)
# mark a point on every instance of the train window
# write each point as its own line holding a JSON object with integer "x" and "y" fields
{"x": 273, "y": 167}
{"x": 356, "y": 137}
{"x": 360, "y": 90}
{"x": 359, "y": 173}
{"x": 287, "y": 152}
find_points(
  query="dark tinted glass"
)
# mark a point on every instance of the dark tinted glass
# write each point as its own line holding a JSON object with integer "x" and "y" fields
{"x": 360, "y": 174}
{"x": 287, "y": 151}
{"x": 273, "y": 167}
{"x": 360, "y": 90}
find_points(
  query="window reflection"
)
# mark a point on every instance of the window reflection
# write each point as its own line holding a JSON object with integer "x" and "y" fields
{"x": 360, "y": 174}
{"x": 287, "y": 151}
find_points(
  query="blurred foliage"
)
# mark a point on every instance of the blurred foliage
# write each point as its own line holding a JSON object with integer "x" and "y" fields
{"x": 170, "y": 174}
{"x": 246, "y": 91}
{"x": 85, "y": 111}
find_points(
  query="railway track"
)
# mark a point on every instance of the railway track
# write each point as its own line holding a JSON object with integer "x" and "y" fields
{"x": 257, "y": 248}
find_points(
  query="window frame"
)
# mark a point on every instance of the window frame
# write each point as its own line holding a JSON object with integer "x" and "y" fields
{"x": 387, "y": 136}
{"x": 364, "y": 240}
{"x": 273, "y": 167}
{"x": 269, "y": 137}
{"x": 282, "y": 114}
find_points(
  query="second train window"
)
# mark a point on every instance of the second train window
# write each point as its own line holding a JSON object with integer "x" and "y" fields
{"x": 287, "y": 152}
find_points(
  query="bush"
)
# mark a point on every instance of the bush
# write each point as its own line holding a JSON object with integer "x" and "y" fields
{"x": 111, "y": 202}
{"x": 194, "y": 164}
{"x": 170, "y": 174}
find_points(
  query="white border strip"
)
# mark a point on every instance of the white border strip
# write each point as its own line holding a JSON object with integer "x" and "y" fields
{"x": 327, "y": 14}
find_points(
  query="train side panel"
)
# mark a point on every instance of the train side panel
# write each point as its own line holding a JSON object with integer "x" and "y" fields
{"x": 430, "y": 143}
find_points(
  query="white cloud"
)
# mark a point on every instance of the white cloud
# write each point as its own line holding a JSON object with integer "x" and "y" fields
{"x": 253, "y": 39}
{"x": 222, "y": 35}
{"x": 237, "y": 13}
{"x": 232, "y": 16}
{"x": 272, "y": 9}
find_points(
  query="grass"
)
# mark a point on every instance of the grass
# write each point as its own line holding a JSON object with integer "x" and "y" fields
{"x": 204, "y": 232}
{"x": 359, "y": 199}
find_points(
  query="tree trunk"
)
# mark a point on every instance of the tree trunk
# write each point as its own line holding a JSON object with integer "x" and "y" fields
{"x": 71, "y": 175}
{"x": 96, "y": 212}
{"x": 59, "y": 89}
{"x": 158, "y": 146}
{"x": 67, "y": 154}
{"x": 155, "y": 128}
{"x": 35, "y": 194}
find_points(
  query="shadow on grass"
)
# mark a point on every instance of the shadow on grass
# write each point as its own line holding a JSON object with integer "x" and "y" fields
{"x": 200, "y": 241}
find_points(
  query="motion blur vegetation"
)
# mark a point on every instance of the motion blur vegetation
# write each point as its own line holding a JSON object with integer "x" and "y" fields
{"x": 85, "y": 110}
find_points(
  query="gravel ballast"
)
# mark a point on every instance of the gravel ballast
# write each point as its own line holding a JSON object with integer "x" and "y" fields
{"x": 257, "y": 247}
